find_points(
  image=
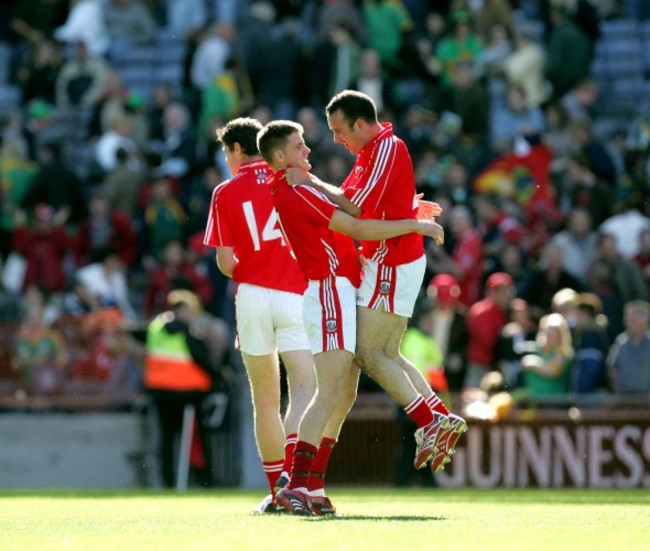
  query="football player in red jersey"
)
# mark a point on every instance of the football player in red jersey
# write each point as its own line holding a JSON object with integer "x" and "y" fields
{"x": 242, "y": 226}
{"x": 321, "y": 237}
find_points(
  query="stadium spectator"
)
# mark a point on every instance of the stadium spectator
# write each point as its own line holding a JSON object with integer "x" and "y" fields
{"x": 448, "y": 328}
{"x": 209, "y": 59}
{"x": 175, "y": 272}
{"x": 515, "y": 263}
{"x": 629, "y": 357}
{"x": 373, "y": 81}
{"x": 591, "y": 344}
{"x": 117, "y": 136}
{"x": 43, "y": 243}
{"x": 547, "y": 370}
{"x": 164, "y": 217}
{"x": 588, "y": 190}
{"x": 485, "y": 320}
{"x": 40, "y": 354}
{"x": 179, "y": 373}
{"x": 105, "y": 227}
{"x": 578, "y": 243}
{"x": 17, "y": 175}
{"x": 599, "y": 158}
{"x": 467, "y": 97}
{"x": 461, "y": 45}
{"x": 569, "y": 52}
{"x": 525, "y": 66}
{"x": 496, "y": 227}
{"x": 616, "y": 281}
{"x": 336, "y": 63}
{"x": 81, "y": 79}
{"x": 38, "y": 75}
{"x": 66, "y": 196}
{"x": 515, "y": 120}
{"x": 626, "y": 226}
{"x": 515, "y": 341}
{"x": 123, "y": 184}
{"x": 549, "y": 277}
{"x": 104, "y": 279}
{"x": 85, "y": 24}
{"x": 558, "y": 136}
{"x": 466, "y": 260}
{"x": 386, "y": 23}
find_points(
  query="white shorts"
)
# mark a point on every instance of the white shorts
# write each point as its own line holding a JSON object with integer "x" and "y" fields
{"x": 391, "y": 288}
{"x": 268, "y": 321}
{"x": 330, "y": 315}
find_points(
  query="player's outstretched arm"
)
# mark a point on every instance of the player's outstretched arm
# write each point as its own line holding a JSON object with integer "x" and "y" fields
{"x": 375, "y": 230}
{"x": 226, "y": 260}
{"x": 297, "y": 176}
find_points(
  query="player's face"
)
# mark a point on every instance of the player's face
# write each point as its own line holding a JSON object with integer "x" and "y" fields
{"x": 351, "y": 138}
{"x": 296, "y": 152}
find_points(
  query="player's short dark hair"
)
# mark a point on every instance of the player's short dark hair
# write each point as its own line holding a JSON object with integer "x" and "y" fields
{"x": 243, "y": 131}
{"x": 353, "y": 105}
{"x": 274, "y": 136}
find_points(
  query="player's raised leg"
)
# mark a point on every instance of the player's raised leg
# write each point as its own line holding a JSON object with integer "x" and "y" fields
{"x": 375, "y": 328}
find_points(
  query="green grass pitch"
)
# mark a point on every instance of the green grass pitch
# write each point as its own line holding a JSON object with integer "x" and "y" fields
{"x": 374, "y": 519}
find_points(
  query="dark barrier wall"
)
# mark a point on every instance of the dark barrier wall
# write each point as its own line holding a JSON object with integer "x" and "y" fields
{"x": 603, "y": 450}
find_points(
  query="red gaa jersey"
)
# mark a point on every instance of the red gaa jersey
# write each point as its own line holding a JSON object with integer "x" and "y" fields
{"x": 382, "y": 184}
{"x": 305, "y": 215}
{"x": 242, "y": 216}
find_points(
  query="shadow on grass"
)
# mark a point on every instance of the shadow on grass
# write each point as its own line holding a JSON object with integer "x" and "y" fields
{"x": 382, "y": 518}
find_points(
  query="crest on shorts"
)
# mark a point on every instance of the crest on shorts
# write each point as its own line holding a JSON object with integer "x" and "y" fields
{"x": 384, "y": 287}
{"x": 331, "y": 325}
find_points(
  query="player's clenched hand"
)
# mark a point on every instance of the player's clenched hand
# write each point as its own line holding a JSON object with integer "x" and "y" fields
{"x": 432, "y": 229}
{"x": 296, "y": 176}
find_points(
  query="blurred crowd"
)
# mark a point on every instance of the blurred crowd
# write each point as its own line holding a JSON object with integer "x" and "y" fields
{"x": 106, "y": 177}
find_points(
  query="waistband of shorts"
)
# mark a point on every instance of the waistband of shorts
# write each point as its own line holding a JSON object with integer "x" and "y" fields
{"x": 339, "y": 281}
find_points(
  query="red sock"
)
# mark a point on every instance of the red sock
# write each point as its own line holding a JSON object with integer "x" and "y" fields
{"x": 289, "y": 449}
{"x": 303, "y": 458}
{"x": 319, "y": 466}
{"x": 419, "y": 412}
{"x": 436, "y": 404}
{"x": 272, "y": 470}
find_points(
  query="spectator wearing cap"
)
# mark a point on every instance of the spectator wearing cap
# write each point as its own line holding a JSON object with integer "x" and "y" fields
{"x": 485, "y": 319}
{"x": 448, "y": 328}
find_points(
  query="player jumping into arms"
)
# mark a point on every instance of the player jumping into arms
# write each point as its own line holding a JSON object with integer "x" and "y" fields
{"x": 321, "y": 237}
{"x": 242, "y": 226}
{"x": 381, "y": 186}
